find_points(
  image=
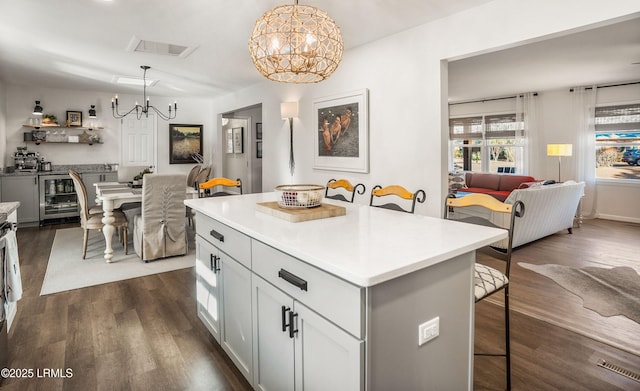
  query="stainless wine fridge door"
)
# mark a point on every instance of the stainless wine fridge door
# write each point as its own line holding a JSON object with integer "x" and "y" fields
{"x": 58, "y": 197}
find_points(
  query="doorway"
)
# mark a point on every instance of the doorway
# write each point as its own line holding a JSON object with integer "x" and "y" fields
{"x": 241, "y": 147}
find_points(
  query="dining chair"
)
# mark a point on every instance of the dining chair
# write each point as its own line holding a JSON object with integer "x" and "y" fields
{"x": 89, "y": 221}
{"x": 193, "y": 175}
{"x": 206, "y": 189}
{"x": 398, "y": 193}
{"x": 192, "y": 181}
{"x": 160, "y": 230}
{"x": 341, "y": 186}
{"x": 483, "y": 209}
{"x": 203, "y": 175}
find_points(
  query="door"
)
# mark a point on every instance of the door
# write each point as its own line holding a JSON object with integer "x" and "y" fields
{"x": 236, "y": 313}
{"x": 272, "y": 347}
{"x": 326, "y": 357}
{"x": 208, "y": 287}
{"x": 138, "y": 144}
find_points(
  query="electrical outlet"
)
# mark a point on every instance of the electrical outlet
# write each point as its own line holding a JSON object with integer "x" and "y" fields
{"x": 428, "y": 330}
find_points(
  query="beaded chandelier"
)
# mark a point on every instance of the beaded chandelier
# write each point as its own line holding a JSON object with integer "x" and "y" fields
{"x": 296, "y": 44}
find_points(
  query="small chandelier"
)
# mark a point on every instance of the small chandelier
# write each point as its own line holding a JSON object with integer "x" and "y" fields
{"x": 296, "y": 44}
{"x": 143, "y": 109}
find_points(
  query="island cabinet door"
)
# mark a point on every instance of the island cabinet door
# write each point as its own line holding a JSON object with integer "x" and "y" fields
{"x": 208, "y": 286}
{"x": 236, "y": 313}
{"x": 326, "y": 357}
{"x": 272, "y": 346}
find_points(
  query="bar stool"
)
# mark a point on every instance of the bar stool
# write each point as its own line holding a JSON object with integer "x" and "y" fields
{"x": 483, "y": 209}
{"x": 346, "y": 187}
{"x": 399, "y": 193}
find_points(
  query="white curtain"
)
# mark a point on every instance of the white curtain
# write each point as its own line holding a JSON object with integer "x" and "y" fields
{"x": 529, "y": 136}
{"x": 583, "y": 118}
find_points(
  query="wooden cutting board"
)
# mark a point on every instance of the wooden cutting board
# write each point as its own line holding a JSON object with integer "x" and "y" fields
{"x": 296, "y": 215}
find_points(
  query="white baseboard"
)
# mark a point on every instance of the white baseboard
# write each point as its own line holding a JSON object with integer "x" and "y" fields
{"x": 625, "y": 219}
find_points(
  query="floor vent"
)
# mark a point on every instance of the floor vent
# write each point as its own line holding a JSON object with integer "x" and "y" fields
{"x": 619, "y": 370}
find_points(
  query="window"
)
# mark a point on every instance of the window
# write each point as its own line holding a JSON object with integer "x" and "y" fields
{"x": 487, "y": 143}
{"x": 618, "y": 141}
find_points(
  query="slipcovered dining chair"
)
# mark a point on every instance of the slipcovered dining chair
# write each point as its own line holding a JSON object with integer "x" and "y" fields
{"x": 483, "y": 209}
{"x": 89, "y": 220}
{"x": 398, "y": 193}
{"x": 160, "y": 229}
{"x": 206, "y": 189}
{"x": 341, "y": 187}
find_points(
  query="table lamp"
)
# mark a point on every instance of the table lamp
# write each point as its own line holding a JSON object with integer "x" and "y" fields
{"x": 559, "y": 150}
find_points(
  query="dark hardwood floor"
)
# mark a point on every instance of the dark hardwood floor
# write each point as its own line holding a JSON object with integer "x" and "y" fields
{"x": 548, "y": 357}
{"x": 137, "y": 334}
{"x": 144, "y": 334}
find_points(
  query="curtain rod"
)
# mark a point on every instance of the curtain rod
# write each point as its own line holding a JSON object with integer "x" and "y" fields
{"x": 611, "y": 85}
{"x": 489, "y": 99}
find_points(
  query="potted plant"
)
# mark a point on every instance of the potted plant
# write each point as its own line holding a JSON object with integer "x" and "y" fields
{"x": 137, "y": 180}
{"x": 49, "y": 119}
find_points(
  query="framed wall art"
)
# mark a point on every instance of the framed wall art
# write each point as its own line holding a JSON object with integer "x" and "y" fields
{"x": 258, "y": 130}
{"x": 185, "y": 142}
{"x": 342, "y": 142}
{"x": 229, "y": 141}
{"x": 238, "y": 140}
{"x": 74, "y": 118}
{"x": 259, "y": 149}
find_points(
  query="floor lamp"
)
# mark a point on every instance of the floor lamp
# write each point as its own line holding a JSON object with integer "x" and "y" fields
{"x": 559, "y": 150}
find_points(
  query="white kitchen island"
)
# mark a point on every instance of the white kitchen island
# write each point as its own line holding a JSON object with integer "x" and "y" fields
{"x": 336, "y": 303}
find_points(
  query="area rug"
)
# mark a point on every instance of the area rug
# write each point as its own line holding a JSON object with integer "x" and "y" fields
{"x": 67, "y": 270}
{"x": 608, "y": 291}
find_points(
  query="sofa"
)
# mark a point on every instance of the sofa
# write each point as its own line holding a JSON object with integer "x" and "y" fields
{"x": 548, "y": 209}
{"x": 499, "y": 186}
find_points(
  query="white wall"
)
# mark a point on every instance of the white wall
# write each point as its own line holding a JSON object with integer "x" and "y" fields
{"x": 407, "y": 85}
{"x": 3, "y": 121}
{"x": 21, "y": 99}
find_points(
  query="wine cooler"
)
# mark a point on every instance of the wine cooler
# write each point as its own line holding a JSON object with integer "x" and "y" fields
{"x": 58, "y": 198}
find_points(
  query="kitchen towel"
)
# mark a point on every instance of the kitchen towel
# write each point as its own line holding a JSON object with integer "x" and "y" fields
{"x": 12, "y": 277}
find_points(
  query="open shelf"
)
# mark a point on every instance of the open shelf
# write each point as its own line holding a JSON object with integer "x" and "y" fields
{"x": 45, "y": 126}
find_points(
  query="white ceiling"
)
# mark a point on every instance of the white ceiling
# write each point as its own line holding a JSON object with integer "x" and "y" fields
{"x": 603, "y": 55}
{"x": 81, "y": 44}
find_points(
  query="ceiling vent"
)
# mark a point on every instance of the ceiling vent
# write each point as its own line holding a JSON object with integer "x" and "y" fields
{"x": 164, "y": 49}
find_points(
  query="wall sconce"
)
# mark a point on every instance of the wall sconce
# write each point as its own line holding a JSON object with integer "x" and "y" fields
{"x": 288, "y": 110}
{"x": 559, "y": 150}
{"x": 37, "y": 110}
{"x": 92, "y": 112}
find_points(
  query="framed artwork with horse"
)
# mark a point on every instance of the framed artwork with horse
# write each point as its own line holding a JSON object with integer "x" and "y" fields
{"x": 342, "y": 142}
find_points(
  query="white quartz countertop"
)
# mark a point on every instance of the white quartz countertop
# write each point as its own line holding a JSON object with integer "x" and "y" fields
{"x": 6, "y": 208}
{"x": 367, "y": 246}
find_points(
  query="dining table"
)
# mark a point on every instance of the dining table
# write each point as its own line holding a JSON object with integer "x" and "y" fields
{"x": 113, "y": 195}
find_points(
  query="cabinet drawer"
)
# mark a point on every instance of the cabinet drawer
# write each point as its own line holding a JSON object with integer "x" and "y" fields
{"x": 225, "y": 238}
{"x": 337, "y": 300}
